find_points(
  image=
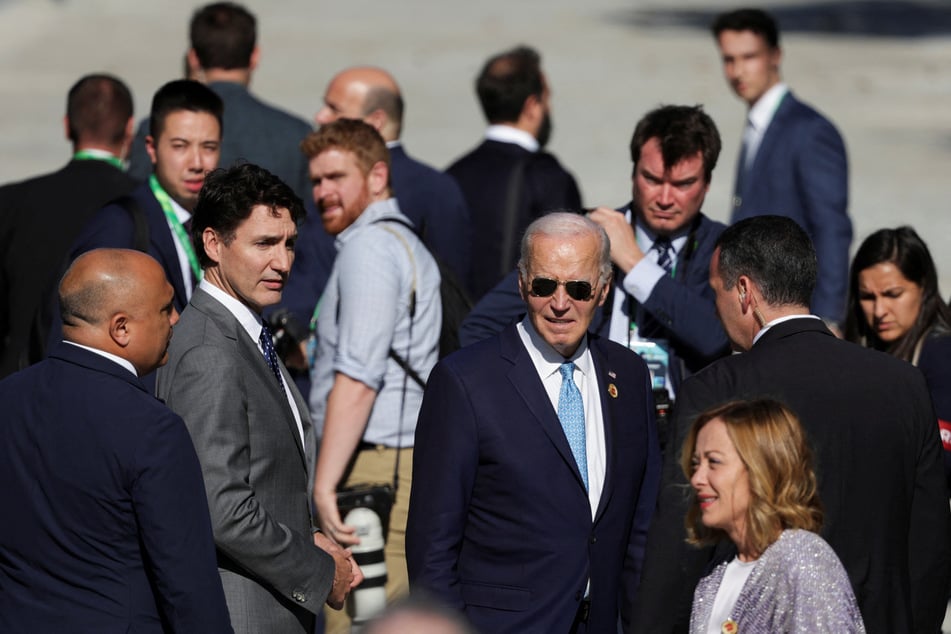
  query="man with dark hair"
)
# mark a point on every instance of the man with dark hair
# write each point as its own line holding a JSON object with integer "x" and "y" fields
{"x": 107, "y": 527}
{"x": 54, "y": 207}
{"x": 224, "y": 54}
{"x": 378, "y": 325}
{"x": 868, "y": 417}
{"x": 538, "y": 464}
{"x": 792, "y": 161}
{"x": 431, "y": 199}
{"x": 184, "y": 146}
{"x": 249, "y": 423}
{"x": 661, "y": 304}
{"x": 509, "y": 180}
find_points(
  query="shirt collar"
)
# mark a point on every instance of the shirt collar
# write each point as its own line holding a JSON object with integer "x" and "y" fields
{"x": 510, "y": 134}
{"x": 125, "y": 363}
{"x": 545, "y": 358}
{"x": 372, "y": 213}
{"x": 249, "y": 320}
{"x": 778, "y": 321}
{"x": 763, "y": 110}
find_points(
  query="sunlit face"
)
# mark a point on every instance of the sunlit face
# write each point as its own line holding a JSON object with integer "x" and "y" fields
{"x": 720, "y": 481}
{"x": 667, "y": 200}
{"x": 341, "y": 190}
{"x": 560, "y": 320}
{"x": 891, "y": 302}
{"x": 749, "y": 64}
{"x": 253, "y": 267}
{"x": 187, "y": 148}
{"x": 151, "y": 319}
{"x": 729, "y": 308}
{"x": 344, "y": 99}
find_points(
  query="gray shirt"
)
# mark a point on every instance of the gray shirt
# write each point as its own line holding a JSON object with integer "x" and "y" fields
{"x": 364, "y": 312}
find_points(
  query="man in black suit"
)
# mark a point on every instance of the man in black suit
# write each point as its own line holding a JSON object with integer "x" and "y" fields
{"x": 54, "y": 207}
{"x": 224, "y": 55}
{"x": 430, "y": 198}
{"x": 508, "y": 181}
{"x": 869, "y": 419}
{"x": 106, "y": 526}
{"x": 659, "y": 309}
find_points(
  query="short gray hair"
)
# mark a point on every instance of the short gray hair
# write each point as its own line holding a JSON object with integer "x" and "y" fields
{"x": 566, "y": 224}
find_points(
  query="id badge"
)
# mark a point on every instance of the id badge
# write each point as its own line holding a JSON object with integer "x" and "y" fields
{"x": 656, "y": 354}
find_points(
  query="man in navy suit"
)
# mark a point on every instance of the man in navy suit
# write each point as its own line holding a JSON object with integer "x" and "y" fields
{"x": 184, "y": 146}
{"x": 651, "y": 307}
{"x": 792, "y": 162}
{"x": 536, "y": 464}
{"x": 107, "y": 527}
{"x": 509, "y": 180}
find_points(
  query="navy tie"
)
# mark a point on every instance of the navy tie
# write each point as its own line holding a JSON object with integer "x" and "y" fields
{"x": 664, "y": 252}
{"x": 267, "y": 345}
{"x": 571, "y": 415}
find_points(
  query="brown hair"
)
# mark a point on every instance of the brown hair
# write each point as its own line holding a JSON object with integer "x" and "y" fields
{"x": 349, "y": 135}
{"x": 773, "y": 447}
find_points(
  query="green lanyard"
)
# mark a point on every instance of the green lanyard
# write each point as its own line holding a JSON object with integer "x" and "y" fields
{"x": 166, "y": 203}
{"x": 92, "y": 155}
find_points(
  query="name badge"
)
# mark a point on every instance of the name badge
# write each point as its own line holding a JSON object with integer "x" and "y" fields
{"x": 656, "y": 354}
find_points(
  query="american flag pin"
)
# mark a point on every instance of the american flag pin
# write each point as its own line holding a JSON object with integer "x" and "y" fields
{"x": 612, "y": 374}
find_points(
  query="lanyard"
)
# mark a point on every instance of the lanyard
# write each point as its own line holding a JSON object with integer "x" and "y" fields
{"x": 178, "y": 229}
{"x": 92, "y": 155}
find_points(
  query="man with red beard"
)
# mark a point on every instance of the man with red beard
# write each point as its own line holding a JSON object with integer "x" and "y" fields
{"x": 378, "y": 325}
{"x": 184, "y": 144}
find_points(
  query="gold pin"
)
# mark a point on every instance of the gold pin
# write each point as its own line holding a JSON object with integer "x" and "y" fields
{"x": 729, "y": 627}
{"x": 612, "y": 390}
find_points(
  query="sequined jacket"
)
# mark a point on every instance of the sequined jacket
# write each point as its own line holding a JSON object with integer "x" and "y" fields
{"x": 797, "y": 585}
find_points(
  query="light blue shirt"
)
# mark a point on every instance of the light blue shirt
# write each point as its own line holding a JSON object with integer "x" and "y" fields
{"x": 365, "y": 311}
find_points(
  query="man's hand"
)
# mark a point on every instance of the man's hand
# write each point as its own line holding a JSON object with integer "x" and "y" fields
{"x": 624, "y": 250}
{"x": 330, "y": 522}
{"x": 347, "y": 574}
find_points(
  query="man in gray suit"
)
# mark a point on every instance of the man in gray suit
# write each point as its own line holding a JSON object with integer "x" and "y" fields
{"x": 224, "y": 55}
{"x": 250, "y": 426}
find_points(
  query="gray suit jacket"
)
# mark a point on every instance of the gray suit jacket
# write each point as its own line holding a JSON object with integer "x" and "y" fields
{"x": 256, "y": 471}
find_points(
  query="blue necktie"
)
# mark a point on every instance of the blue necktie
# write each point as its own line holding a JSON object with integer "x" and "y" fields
{"x": 664, "y": 249}
{"x": 267, "y": 344}
{"x": 571, "y": 415}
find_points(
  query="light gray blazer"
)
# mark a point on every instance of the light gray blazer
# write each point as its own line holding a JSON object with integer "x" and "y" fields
{"x": 256, "y": 472}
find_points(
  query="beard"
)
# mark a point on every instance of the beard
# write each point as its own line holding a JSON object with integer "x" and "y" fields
{"x": 544, "y": 132}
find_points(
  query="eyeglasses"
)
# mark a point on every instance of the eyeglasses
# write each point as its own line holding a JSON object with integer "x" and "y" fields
{"x": 577, "y": 289}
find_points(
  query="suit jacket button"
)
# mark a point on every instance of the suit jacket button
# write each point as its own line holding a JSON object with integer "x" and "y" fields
{"x": 299, "y": 596}
{"x": 594, "y": 540}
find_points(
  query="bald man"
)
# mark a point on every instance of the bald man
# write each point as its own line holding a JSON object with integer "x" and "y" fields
{"x": 430, "y": 198}
{"x": 107, "y": 526}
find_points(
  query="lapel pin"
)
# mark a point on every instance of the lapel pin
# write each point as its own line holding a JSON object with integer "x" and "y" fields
{"x": 612, "y": 390}
{"x": 612, "y": 374}
{"x": 729, "y": 627}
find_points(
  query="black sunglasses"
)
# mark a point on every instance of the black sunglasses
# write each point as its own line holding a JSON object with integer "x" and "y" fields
{"x": 577, "y": 289}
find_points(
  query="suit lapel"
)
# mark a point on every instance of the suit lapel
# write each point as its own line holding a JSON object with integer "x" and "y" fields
{"x": 255, "y": 362}
{"x": 164, "y": 244}
{"x": 524, "y": 378}
{"x": 605, "y": 376}
{"x": 771, "y": 138}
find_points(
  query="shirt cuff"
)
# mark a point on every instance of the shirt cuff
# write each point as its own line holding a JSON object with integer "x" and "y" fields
{"x": 641, "y": 280}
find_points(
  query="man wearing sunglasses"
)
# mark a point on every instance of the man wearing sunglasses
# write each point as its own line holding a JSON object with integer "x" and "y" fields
{"x": 537, "y": 460}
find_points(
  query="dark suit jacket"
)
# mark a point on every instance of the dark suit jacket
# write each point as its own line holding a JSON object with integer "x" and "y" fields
{"x": 681, "y": 308}
{"x": 39, "y": 220}
{"x": 107, "y": 526}
{"x": 499, "y": 520}
{"x": 870, "y": 421}
{"x": 484, "y": 175}
{"x": 257, "y": 473}
{"x": 800, "y": 171}
{"x": 253, "y": 131}
{"x": 433, "y": 201}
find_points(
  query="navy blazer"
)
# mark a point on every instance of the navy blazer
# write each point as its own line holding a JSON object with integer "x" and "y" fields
{"x": 433, "y": 201}
{"x": 682, "y": 308}
{"x": 483, "y": 176}
{"x": 499, "y": 520}
{"x": 800, "y": 171}
{"x": 107, "y": 526}
{"x": 877, "y": 455}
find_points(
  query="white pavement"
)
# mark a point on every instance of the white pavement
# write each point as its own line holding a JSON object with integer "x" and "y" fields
{"x": 890, "y": 97}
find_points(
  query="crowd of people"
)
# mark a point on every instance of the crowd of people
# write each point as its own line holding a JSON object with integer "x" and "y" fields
{"x": 326, "y": 374}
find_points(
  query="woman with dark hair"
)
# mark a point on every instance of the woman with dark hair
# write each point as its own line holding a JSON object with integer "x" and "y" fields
{"x": 895, "y": 306}
{"x": 753, "y": 483}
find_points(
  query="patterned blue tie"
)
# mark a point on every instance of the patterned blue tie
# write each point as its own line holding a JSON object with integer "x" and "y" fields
{"x": 571, "y": 415}
{"x": 664, "y": 249}
{"x": 267, "y": 344}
